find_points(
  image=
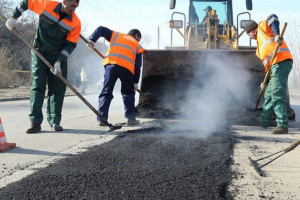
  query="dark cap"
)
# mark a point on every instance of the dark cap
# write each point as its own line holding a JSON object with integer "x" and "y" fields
{"x": 208, "y": 8}
{"x": 133, "y": 32}
{"x": 250, "y": 26}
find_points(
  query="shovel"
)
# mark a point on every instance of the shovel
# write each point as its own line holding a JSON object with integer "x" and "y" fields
{"x": 96, "y": 50}
{"x": 268, "y": 74}
{"x": 147, "y": 97}
{"x": 103, "y": 119}
{"x": 101, "y": 55}
{"x": 258, "y": 167}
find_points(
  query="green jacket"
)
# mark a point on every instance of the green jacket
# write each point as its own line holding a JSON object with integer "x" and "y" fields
{"x": 54, "y": 36}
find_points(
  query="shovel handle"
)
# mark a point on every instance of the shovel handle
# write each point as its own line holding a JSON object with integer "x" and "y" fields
{"x": 139, "y": 91}
{"x": 96, "y": 50}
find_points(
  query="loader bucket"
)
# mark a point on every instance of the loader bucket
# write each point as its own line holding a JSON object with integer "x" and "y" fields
{"x": 168, "y": 74}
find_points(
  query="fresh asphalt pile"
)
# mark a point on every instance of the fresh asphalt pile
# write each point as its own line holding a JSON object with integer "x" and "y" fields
{"x": 137, "y": 165}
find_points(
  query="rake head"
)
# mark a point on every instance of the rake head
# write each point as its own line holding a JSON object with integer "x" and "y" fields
{"x": 256, "y": 167}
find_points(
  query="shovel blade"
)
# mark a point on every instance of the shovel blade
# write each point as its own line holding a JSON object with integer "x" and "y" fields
{"x": 112, "y": 128}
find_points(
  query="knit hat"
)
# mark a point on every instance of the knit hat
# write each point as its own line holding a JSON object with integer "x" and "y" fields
{"x": 250, "y": 26}
{"x": 132, "y": 32}
{"x": 208, "y": 8}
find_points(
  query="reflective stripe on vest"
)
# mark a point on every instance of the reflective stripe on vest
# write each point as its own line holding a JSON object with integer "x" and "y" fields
{"x": 47, "y": 14}
{"x": 266, "y": 45}
{"x": 139, "y": 48}
{"x": 270, "y": 56}
{"x": 20, "y": 9}
{"x": 121, "y": 45}
{"x": 114, "y": 44}
{"x": 122, "y": 51}
{"x": 265, "y": 42}
{"x": 69, "y": 28}
{"x": 121, "y": 56}
{"x": 64, "y": 52}
{"x": 47, "y": 9}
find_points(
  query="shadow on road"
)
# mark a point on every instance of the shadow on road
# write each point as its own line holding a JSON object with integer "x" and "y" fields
{"x": 20, "y": 150}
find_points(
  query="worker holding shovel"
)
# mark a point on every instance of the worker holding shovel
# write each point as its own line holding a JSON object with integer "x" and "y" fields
{"x": 280, "y": 63}
{"x": 57, "y": 35}
{"x": 122, "y": 61}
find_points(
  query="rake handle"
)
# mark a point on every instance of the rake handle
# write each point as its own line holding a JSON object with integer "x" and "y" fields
{"x": 292, "y": 146}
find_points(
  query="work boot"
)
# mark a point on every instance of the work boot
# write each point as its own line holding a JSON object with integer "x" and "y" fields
{"x": 280, "y": 130}
{"x": 101, "y": 123}
{"x": 57, "y": 127}
{"x": 264, "y": 125}
{"x": 132, "y": 122}
{"x": 34, "y": 128}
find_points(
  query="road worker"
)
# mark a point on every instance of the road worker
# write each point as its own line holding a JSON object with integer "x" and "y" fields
{"x": 122, "y": 61}
{"x": 207, "y": 13}
{"x": 84, "y": 81}
{"x": 267, "y": 35}
{"x": 57, "y": 35}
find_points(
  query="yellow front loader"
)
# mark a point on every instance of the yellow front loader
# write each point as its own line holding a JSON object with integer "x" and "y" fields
{"x": 210, "y": 41}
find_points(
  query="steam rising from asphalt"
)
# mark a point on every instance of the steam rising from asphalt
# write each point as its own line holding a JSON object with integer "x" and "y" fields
{"x": 83, "y": 57}
{"x": 218, "y": 86}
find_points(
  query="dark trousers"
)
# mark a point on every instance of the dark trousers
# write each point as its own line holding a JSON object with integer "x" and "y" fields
{"x": 84, "y": 85}
{"x": 112, "y": 74}
{"x": 40, "y": 75}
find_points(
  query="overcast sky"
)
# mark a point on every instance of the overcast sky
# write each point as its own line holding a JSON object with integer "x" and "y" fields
{"x": 147, "y": 15}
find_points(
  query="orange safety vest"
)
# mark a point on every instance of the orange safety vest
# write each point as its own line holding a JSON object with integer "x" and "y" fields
{"x": 122, "y": 51}
{"x": 266, "y": 46}
{"x": 46, "y": 7}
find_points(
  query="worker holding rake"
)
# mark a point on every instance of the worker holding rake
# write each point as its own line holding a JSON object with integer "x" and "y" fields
{"x": 268, "y": 39}
{"x": 57, "y": 35}
{"x": 122, "y": 61}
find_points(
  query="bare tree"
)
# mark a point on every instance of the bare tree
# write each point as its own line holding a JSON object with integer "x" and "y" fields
{"x": 146, "y": 40}
{"x": 293, "y": 41}
{"x": 14, "y": 54}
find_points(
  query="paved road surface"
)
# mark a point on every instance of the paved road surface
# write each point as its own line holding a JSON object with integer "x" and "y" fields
{"x": 80, "y": 131}
{"x": 36, "y": 151}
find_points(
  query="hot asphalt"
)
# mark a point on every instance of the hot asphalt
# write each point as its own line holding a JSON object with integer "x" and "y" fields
{"x": 139, "y": 165}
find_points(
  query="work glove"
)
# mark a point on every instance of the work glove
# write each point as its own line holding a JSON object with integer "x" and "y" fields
{"x": 263, "y": 87}
{"x": 57, "y": 68}
{"x": 136, "y": 86}
{"x": 91, "y": 44}
{"x": 11, "y": 23}
{"x": 278, "y": 40}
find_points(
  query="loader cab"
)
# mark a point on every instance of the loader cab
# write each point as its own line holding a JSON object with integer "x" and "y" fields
{"x": 197, "y": 15}
{"x": 218, "y": 10}
{"x": 203, "y": 23}
{"x": 223, "y": 10}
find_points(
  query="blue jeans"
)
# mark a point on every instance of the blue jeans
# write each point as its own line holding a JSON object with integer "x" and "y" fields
{"x": 112, "y": 74}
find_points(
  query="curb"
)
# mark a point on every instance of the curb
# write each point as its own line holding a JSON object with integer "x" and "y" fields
{"x": 24, "y": 98}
